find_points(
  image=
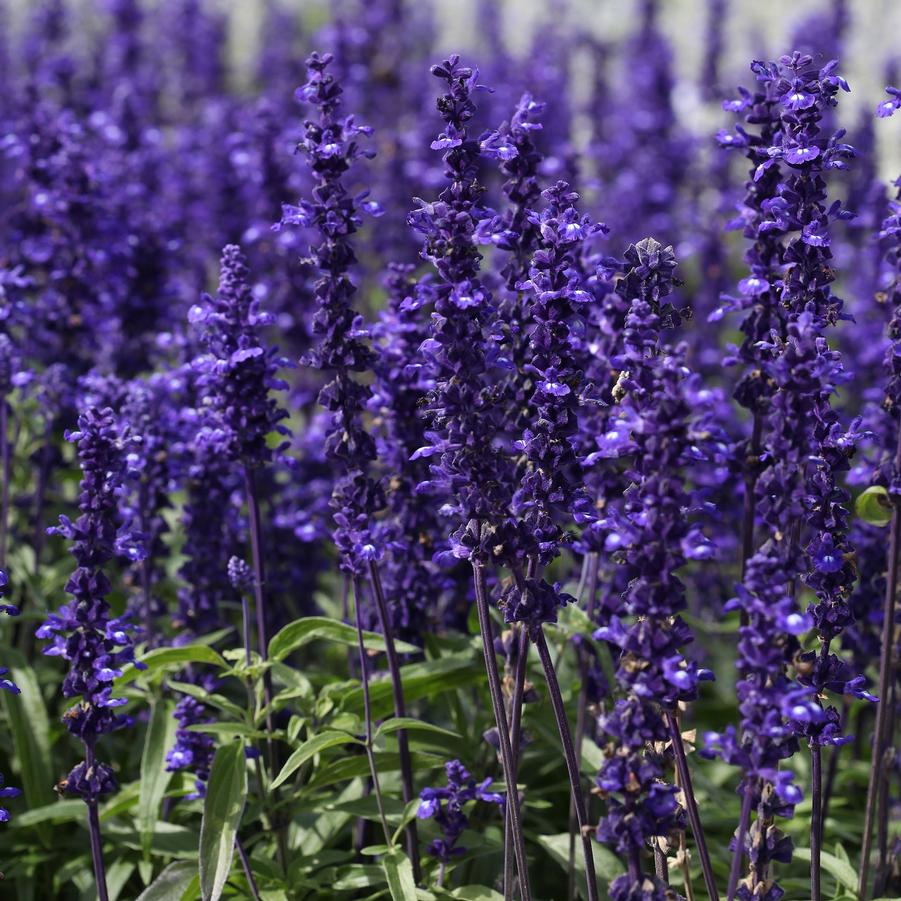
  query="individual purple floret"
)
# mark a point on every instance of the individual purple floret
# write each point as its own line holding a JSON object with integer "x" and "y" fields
{"x": 888, "y": 107}
{"x": 10, "y": 610}
{"x": 7, "y": 791}
{"x": 445, "y": 807}
{"x": 5, "y": 590}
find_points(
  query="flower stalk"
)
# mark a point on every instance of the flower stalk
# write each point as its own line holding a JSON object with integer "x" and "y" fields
{"x": 367, "y": 714}
{"x": 572, "y": 763}
{"x": 886, "y": 667}
{"x": 400, "y": 711}
{"x": 500, "y": 717}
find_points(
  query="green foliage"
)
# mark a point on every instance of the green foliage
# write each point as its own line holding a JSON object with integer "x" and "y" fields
{"x": 172, "y": 884}
{"x": 162, "y": 846}
{"x": 312, "y": 628}
{"x": 399, "y": 875}
{"x": 30, "y": 727}
{"x": 222, "y": 809}
{"x": 154, "y": 775}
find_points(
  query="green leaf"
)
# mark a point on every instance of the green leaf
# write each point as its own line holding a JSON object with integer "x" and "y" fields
{"x": 356, "y": 877}
{"x": 30, "y": 728}
{"x": 606, "y": 864}
{"x": 117, "y": 875}
{"x": 874, "y": 506}
{"x": 168, "y": 840}
{"x": 477, "y": 893}
{"x": 209, "y": 698}
{"x": 166, "y": 658}
{"x": 171, "y": 884}
{"x": 58, "y": 812}
{"x": 426, "y": 679}
{"x": 839, "y": 869}
{"x": 154, "y": 775}
{"x": 410, "y": 724}
{"x": 399, "y": 873}
{"x": 350, "y": 767}
{"x": 309, "y": 749}
{"x": 223, "y": 806}
{"x": 311, "y": 628}
{"x": 228, "y": 730}
{"x": 592, "y": 756}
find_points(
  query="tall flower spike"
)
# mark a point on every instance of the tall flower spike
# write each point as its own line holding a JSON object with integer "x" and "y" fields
{"x": 889, "y": 476}
{"x": 83, "y": 632}
{"x": 96, "y": 645}
{"x": 240, "y": 374}
{"x": 148, "y": 412}
{"x": 412, "y": 531}
{"x": 550, "y": 491}
{"x": 331, "y": 147}
{"x": 791, "y": 376}
{"x": 513, "y": 145}
{"x": 664, "y": 423}
{"x": 471, "y": 475}
{"x": 209, "y": 483}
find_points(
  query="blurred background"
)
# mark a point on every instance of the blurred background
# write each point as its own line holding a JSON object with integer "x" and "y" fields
{"x": 870, "y": 39}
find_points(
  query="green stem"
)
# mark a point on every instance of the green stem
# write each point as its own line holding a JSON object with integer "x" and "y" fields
{"x": 367, "y": 714}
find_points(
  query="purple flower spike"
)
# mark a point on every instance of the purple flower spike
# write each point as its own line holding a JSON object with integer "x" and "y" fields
{"x": 239, "y": 371}
{"x": 331, "y": 146}
{"x": 669, "y": 423}
{"x": 82, "y": 632}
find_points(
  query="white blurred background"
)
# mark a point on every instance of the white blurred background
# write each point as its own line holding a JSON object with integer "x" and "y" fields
{"x": 753, "y": 29}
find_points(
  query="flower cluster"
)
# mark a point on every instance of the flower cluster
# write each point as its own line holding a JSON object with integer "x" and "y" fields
{"x": 445, "y": 806}
{"x": 331, "y": 146}
{"x": 239, "y": 371}
{"x": 662, "y": 425}
{"x": 508, "y": 428}
{"x": 556, "y": 312}
{"x": 193, "y": 750}
{"x": 470, "y": 474}
{"x": 411, "y": 532}
{"x": 96, "y": 644}
{"x": 800, "y": 441}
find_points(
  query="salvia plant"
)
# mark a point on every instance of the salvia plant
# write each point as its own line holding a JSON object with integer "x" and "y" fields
{"x": 440, "y": 472}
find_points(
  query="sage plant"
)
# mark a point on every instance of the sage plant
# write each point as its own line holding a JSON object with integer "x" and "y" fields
{"x": 96, "y": 644}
